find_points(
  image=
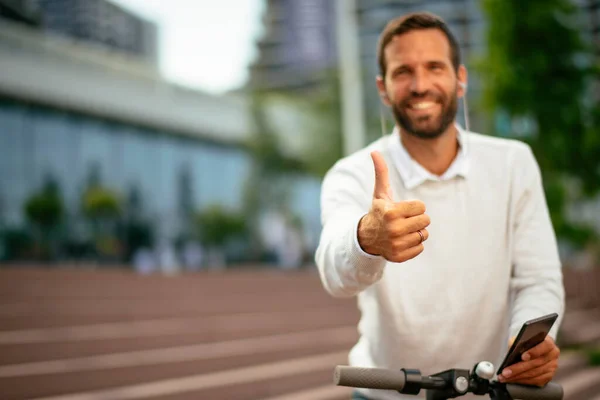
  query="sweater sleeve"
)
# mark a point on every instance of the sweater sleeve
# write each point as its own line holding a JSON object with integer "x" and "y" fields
{"x": 345, "y": 269}
{"x": 536, "y": 278}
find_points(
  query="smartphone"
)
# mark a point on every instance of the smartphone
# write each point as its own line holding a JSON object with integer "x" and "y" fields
{"x": 532, "y": 333}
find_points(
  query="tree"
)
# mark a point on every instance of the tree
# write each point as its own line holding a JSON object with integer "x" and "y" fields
{"x": 45, "y": 211}
{"x": 101, "y": 203}
{"x": 536, "y": 70}
{"x": 217, "y": 225}
{"x": 102, "y": 207}
{"x": 267, "y": 186}
{"x": 324, "y": 126}
{"x": 136, "y": 230}
{"x": 45, "y": 208}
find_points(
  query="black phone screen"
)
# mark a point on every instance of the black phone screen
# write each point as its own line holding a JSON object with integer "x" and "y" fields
{"x": 532, "y": 333}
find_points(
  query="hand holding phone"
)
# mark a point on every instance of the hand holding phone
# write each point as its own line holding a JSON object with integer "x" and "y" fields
{"x": 532, "y": 333}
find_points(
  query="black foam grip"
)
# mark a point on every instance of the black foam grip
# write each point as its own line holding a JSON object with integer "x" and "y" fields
{"x": 372, "y": 378}
{"x": 552, "y": 391}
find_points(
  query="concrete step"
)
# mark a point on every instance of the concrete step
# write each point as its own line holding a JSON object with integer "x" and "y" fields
{"x": 251, "y": 382}
{"x": 581, "y": 384}
{"x": 569, "y": 363}
{"x": 324, "y": 338}
{"x": 78, "y": 341}
{"x": 580, "y": 327}
{"x": 131, "y": 368}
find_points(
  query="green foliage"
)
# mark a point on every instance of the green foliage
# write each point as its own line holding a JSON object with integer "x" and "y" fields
{"x": 17, "y": 242}
{"x": 325, "y": 126}
{"x": 217, "y": 225}
{"x": 264, "y": 144}
{"x": 538, "y": 67}
{"x": 322, "y": 125}
{"x": 99, "y": 202}
{"x": 45, "y": 208}
{"x": 594, "y": 356}
{"x": 135, "y": 234}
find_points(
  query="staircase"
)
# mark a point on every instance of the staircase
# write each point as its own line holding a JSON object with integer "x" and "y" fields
{"x": 275, "y": 335}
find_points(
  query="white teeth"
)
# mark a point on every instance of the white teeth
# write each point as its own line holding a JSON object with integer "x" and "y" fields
{"x": 423, "y": 105}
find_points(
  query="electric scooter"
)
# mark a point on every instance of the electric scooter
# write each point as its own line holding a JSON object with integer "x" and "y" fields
{"x": 444, "y": 385}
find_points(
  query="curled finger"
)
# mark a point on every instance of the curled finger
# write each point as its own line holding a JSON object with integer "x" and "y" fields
{"x": 549, "y": 367}
{"x": 407, "y": 254}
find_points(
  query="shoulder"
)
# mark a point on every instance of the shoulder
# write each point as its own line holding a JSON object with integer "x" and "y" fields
{"x": 487, "y": 143}
{"x": 502, "y": 159}
{"x": 498, "y": 150}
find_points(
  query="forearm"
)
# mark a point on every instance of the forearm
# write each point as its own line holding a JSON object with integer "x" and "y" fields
{"x": 345, "y": 268}
{"x": 537, "y": 280}
{"x": 536, "y": 296}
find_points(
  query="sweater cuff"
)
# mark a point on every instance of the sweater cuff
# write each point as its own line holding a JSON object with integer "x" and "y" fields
{"x": 369, "y": 267}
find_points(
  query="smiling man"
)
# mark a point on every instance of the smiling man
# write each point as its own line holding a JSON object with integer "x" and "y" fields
{"x": 443, "y": 235}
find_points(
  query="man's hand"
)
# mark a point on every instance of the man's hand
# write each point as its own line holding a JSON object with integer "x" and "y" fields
{"x": 537, "y": 368}
{"x": 390, "y": 229}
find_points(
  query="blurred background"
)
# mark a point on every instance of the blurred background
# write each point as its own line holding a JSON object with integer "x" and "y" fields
{"x": 160, "y": 171}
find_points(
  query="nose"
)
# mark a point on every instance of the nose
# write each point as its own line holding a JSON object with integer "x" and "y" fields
{"x": 420, "y": 82}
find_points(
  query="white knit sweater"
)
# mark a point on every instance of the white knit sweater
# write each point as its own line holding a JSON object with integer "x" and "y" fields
{"x": 490, "y": 264}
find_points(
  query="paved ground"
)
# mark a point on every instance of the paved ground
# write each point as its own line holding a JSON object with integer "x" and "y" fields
{"x": 91, "y": 335}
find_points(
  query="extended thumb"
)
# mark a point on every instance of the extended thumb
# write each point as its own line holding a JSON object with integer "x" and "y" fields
{"x": 382, "y": 184}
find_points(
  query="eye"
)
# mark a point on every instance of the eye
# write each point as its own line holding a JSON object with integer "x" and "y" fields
{"x": 400, "y": 72}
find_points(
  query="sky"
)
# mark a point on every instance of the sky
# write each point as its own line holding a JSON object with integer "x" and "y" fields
{"x": 204, "y": 44}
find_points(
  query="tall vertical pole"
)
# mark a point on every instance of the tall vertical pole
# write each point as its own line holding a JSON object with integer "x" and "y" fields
{"x": 353, "y": 119}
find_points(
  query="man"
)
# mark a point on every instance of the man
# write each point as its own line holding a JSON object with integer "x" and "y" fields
{"x": 443, "y": 235}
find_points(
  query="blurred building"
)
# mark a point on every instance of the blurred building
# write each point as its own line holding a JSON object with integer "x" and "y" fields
{"x": 69, "y": 111}
{"x": 93, "y": 21}
{"x": 21, "y": 11}
{"x": 298, "y": 45}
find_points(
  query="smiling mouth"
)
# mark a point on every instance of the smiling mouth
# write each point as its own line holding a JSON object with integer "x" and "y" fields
{"x": 423, "y": 105}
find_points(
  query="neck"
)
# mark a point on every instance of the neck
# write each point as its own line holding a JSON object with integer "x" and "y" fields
{"x": 435, "y": 155}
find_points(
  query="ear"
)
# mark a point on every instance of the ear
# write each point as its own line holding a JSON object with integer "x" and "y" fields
{"x": 462, "y": 81}
{"x": 382, "y": 92}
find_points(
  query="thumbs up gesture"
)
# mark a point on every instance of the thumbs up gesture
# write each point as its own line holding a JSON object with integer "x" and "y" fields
{"x": 394, "y": 230}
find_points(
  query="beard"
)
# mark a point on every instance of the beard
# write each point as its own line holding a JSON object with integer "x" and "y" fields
{"x": 427, "y": 126}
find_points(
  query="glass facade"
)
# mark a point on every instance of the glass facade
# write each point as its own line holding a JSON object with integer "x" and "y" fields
{"x": 37, "y": 142}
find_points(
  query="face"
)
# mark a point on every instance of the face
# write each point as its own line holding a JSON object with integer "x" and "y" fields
{"x": 421, "y": 85}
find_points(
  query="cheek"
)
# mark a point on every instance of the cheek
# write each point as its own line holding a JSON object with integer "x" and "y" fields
{"x": 397, "y": 89}
{"x": 397, "y": 94}
{"x": 451, "y": 88}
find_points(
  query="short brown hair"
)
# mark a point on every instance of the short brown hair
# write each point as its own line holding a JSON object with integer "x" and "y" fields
{"x": 411, "y": 22}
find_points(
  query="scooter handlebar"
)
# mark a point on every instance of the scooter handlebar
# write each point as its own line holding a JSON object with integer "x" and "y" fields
{"x": 386, "y": 379}
{"x": 373, "y": 378}
{"x": 552, "y": 391}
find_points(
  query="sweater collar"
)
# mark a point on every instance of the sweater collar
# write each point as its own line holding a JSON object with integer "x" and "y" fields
{"x": 413, "y": 174}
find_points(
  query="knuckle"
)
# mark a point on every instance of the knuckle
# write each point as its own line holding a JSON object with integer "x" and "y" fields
{"x": 397, "y": 247}
{"x": 415, "y": 225}
{"x": 538, "y": 362}
{"x": 388, "y": 216}
{"x": 419, "y": 206}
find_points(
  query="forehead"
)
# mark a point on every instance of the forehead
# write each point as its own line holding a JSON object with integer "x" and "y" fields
{"x": 418, "y": 46}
